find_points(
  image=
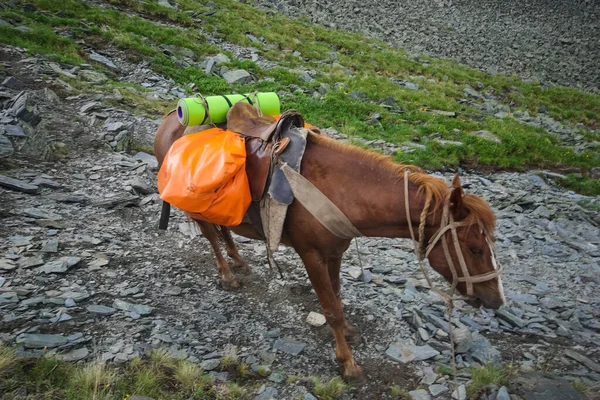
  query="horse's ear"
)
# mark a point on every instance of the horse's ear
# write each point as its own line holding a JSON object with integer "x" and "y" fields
{"x": 457, "y": 193}
{"x": 456, "y": 181}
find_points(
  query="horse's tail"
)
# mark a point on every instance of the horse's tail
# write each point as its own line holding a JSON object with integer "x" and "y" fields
{"x": 167, "y": 133}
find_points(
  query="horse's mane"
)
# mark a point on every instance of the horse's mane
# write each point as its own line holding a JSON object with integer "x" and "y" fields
{"x": 479, "y": 212}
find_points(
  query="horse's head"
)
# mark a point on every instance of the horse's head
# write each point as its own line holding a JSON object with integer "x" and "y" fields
{"x": 468, "y": 250}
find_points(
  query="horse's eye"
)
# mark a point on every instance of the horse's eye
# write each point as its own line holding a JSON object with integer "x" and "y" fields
{"x": 475, "y": 251}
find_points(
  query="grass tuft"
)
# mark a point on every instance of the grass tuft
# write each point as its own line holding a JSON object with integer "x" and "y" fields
{"x": 499, "y": 375}
{"x": 444, "y": 370}
{"x": 94, "y": 379}
{"x": 7, "y": 357}
{"x": 398, "y": 393}
{"x": 231, "y": 391}
{"x": 206, "y": 381}
{"x": 330, "y": 390}
{"x": 244, "y": 370}
{"x": 162, "y": 360}
{"x": 147, "y": 381}
{"x": 188, "y": 375}
{"x": 581, "y": 387}
{"x": 263, "y": 370}
{"x": 230, "y": 358}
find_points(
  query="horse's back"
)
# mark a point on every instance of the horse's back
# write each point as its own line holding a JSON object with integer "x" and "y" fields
{"x": 168, "y": 132}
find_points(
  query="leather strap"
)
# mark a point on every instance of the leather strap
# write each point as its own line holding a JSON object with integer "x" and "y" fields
{"x": 323, "y": 209}
{"x": 447, "y": 224}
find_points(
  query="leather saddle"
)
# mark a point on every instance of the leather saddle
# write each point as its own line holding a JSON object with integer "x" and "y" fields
{"x": 263, "y": 140}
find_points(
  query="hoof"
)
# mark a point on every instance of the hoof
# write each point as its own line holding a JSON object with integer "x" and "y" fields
{"x": 230, "y": 284}
{"x": 241, "y": 267}
{"x": 354, "y": 375}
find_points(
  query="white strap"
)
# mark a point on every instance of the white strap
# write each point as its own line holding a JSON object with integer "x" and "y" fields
{"x": 323, "y": 209}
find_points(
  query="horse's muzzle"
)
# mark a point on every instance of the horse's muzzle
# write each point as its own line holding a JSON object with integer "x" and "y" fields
{"x": 474, "y": 302}
{"x": 494, "y": 303}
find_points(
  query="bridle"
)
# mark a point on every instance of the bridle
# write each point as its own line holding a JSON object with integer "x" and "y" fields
{"x": 447, "y": 224}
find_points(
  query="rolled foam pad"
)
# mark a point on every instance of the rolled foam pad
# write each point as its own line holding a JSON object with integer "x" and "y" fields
{"x": 191, "y": 111}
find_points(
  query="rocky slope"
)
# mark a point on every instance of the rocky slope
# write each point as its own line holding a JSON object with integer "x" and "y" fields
{"x": 555, "y": 42}
{"x": 85, "y": 273}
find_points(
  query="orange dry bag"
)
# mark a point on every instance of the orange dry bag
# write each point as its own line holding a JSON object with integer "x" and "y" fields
{"x": 204, "y": 174}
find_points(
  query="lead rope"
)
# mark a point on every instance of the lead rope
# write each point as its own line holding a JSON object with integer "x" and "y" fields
{"x": 448, "y": 298}
{"x": 362, "y": 271}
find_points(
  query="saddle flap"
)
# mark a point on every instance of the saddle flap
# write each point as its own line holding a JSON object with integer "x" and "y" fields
{"x": 289, "y": 119}
{"x": 279, "y": 188}
{"x": 258, "y": 164}
{"x": 243, "y": 118}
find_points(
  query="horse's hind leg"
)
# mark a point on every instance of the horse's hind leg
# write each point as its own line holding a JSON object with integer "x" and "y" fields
{"x": 232, "y": 251}
{"x": 334, "y": 264}
{"x": 210, "y": 232}
{"x": 317, "y": 268}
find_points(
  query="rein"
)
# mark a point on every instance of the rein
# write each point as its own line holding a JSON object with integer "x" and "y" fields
{"x": 447, "y": 224}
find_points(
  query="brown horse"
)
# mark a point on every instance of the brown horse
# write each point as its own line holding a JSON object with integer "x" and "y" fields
{"x": 370, "y": 190}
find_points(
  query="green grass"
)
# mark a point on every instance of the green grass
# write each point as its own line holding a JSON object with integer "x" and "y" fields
{"x": 232, "y": 391}
{"x": 188, "y": 374}
{"x": 57, "y": 26}
{"x": 263, "y": 371}
{"x": 330, "y": 390}
{"x": 499, "y": 375}
{"x": 588, "y": 390}
{"x": 244, "y": 370}
{"x": 581, "y": 387}
{"x": 158, "y": 376}
{"x": 582, "y": 184}
{"x": 590, "y": 205}
{"x": 42, "y": 40}
{"x": 444, "y": 370}
{"x": 230, "y": 358}
{"x": 7, "y": 357}
{"x": 374, "y": 58}
{"x": 398, "y": 393}
{"x": 94, "y": 381}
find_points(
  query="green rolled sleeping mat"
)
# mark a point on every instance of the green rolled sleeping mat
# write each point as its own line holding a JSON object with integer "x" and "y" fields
{"x": 192, "y": 111}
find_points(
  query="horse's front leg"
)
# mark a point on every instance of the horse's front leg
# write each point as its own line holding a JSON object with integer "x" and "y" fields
{"x": 334, "y": 265}
{"x": 318, "y": 273}
{"x": 227, "y": 278}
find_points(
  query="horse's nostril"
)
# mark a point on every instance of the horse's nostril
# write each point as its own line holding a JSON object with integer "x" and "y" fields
{"x": 474, "y": 302}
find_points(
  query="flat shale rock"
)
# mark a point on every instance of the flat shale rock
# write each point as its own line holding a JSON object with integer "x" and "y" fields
{"x": 140, "y": 309}
{"x": 40, "y": 341}
{"x": 59, "y": 266}
{"x": 537, "y": 386}
{"x": 400, "y": 352}
{"x": 289, "y": 346}
{"x": 18, "y": 185}
{"x": 76, "y": 355}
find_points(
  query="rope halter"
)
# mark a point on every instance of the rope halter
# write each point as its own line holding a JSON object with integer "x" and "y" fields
{"x": 447, "y": 224}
